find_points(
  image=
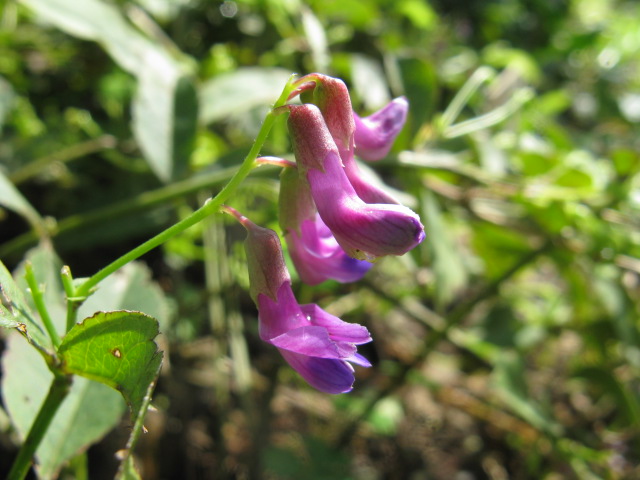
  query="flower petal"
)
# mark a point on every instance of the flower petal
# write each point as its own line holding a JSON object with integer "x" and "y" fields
{"x": 318, "y": 256}
{"x": 279, "y": 317}
{"x": 313, "y": 342}
{"x": 375, "y": 134}
{"x": 338, "y": 330}
{"x": 325, "y": 374}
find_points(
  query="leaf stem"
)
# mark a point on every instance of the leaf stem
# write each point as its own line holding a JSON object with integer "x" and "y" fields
{"x": 211, "y": 206}
{"x": 57, "y": 393}
{"x": 36, "y": 294}
{"x": 73, "y": 302}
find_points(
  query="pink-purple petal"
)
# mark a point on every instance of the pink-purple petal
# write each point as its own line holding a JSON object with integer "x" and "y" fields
{"x": 374, "y": 135}
{"x": 325, "y": 374}
{"x": 314, "y": 342}
{"x": 338, "y": 330}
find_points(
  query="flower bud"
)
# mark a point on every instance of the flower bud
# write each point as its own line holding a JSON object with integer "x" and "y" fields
{"x": 318, "y": 345}
{"x": 314, "y": 251}
{"x": 364, "y": 231}
{"x": 332, "y": 98}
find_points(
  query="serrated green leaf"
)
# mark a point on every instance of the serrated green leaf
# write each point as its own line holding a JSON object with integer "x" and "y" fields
{"x": 88, "y": 412}
{"x": 117, "y": 349}
{"x": 16, "y": 309}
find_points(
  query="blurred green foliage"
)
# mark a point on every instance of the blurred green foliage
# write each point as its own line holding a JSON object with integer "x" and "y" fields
{"x": 506, "y": 346}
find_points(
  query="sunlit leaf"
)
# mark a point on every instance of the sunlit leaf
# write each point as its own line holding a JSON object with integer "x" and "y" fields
{"x": 88, "y": 412}
{"x": 11, "y": 198}
{"x": 117, "y": 349}
{"x": 232, "y": 93}
{"x": 16, "y": 310}
{"x": 165, "y": 107}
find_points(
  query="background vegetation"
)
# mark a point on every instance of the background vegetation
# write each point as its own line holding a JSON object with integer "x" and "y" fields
{"x": 505, "y": 346}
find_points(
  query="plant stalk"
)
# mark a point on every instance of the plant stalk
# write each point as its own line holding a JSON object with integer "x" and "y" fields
{"x": 210, "y": 207}
{"x": 57, "y": 393}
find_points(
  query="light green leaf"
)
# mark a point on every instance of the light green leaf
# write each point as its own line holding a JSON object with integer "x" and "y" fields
{"x": 233, "y": 93}
{"x": 369, "y": 82}
{"x": 46, "y": 267}
{"x": 15, "y": 309}
{"x": 165, "y": 113}
{"x": 7, "y": 100}
{"x": 88, "y": 412}
{"x": 165, "y": 107}
{"x": 117, "y": 349}
{"x": 101, "y": 22}
{"x": 11, "y": 198}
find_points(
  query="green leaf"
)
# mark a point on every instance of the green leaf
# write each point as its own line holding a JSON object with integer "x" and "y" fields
{"x": 165, "y": 107}
{"x": 233, "y": 93}
{"x": 369, "y": 81}
{"x": 46, "y": 267}
{"x": 7, "y": 100}
{"x": 165, "y": 114}
{"x": 11, "y": 198}
{"x": 88, "y": 412}
{"x": 117, "y": 349}
{"x": 15, "y": 309}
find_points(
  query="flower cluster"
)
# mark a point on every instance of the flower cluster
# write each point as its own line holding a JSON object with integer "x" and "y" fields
{"x": 336, "y": 222}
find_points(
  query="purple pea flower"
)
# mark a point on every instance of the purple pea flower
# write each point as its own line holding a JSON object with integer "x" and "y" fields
{"x": 365, "y": 231}
{"x": 374, "y": 135}
{"x": 314, "y": 250}
{"x": 332, "y": 97}
{"x": 318, "y": 345}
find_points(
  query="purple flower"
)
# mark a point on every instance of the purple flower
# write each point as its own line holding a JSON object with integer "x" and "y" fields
{"x": 318, "y": 345}
{"x": 374, "y": 135}
{"x": 332, "y": 98}
{"x": 365, "y": 231}
{"x": 314, "y": 250}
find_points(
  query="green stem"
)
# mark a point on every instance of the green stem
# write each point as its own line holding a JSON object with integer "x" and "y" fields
{"x": 73, "y": 302}
{"x": 57, "y": 393}
{"x": 38, "y": 299}
{"x": 211, "y": 206}
{"x": 140, "y": 203}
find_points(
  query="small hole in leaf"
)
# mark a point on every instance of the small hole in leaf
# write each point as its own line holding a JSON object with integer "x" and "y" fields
{"x": 116, "y": 353}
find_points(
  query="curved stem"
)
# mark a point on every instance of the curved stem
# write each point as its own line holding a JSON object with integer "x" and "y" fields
{"x": 57, "y": 393}
{"x": 211, "y": 206}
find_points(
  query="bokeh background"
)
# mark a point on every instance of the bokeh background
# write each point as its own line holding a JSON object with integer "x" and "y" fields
{"x": 506, "y": 346}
